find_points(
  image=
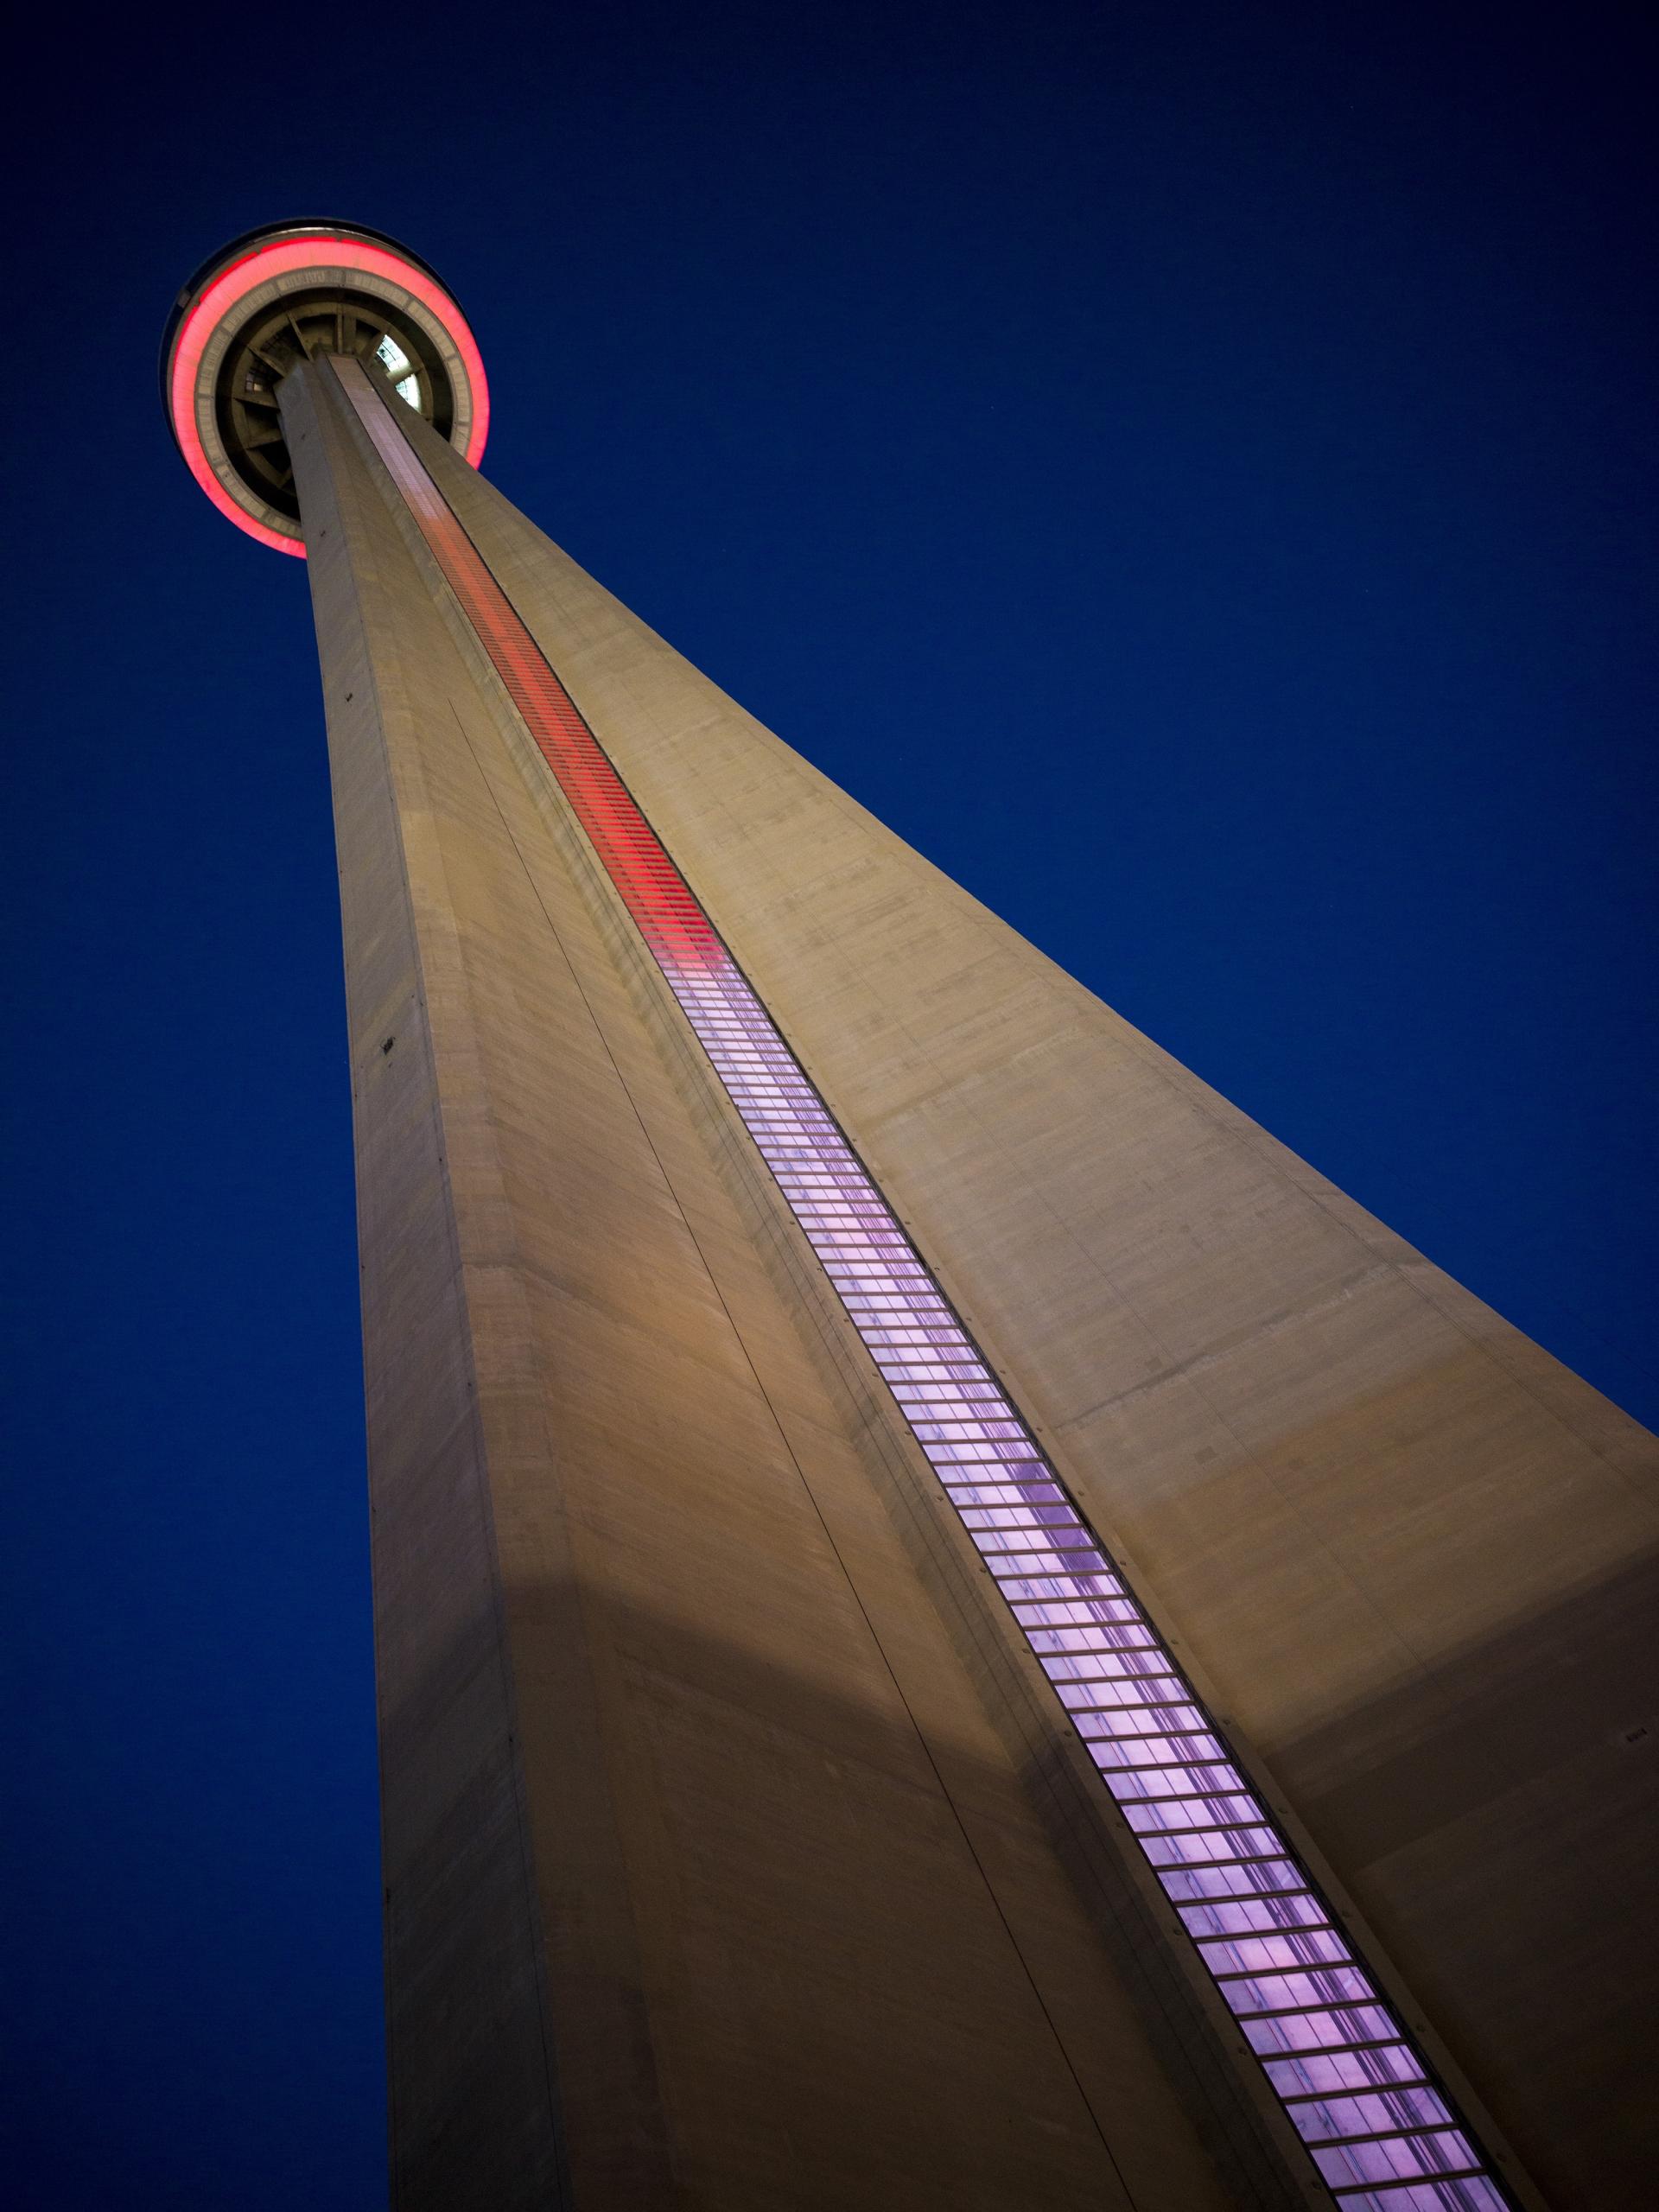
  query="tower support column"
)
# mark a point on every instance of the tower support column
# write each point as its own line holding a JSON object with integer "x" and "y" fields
{"x": 711, "y": 1877}
{"x": 954, "y": 1626}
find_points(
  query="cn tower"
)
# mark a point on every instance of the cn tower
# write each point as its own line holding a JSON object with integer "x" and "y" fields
{"x": 954, "y": 1627}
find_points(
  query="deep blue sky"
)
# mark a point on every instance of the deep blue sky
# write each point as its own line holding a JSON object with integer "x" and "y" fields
{"x": 1190, "y": 468}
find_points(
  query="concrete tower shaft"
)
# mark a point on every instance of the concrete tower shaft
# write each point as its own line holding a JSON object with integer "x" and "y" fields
{"x": 954, "y": 1626}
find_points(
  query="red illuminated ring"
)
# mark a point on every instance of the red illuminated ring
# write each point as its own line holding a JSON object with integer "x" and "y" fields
{"x": 282, "y": 258}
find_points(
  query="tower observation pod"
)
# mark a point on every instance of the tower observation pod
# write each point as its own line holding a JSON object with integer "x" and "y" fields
{"x": 954, "y": 1628}
{"x": 294, "y": 293}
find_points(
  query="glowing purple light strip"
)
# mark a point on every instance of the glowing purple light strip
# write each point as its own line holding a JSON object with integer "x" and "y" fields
{"x": 1359, "y": 2097}
{"x": 1355, "y": 2087}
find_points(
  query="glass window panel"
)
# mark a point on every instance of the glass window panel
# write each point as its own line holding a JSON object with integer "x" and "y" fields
{"x": 1175, "y": 1815}
{"x": 1220, "y": 1786}
{"x": 1217, "y": 1848}
{"x": 1246, "y": 1915}
{"x": 1291, "y": 2031}
{"x": 1031, "y": 1578}
{"x": 1034, "y": 1501}
{"x": 1262, "y": 1954}
{"x": 1024, "y": 1528}
{"x": 1475, "y": 2193}
{"x": 1276, "y": 1992}
{"x": 1390, "y": 2066}
{"x": 1376, "y": 2114}
{"x": 1397, "y": 2157}
{"x": 1118, "y": 1707}
{"x": 1185, "y": 1881}
{"x": 1144, "y": 1749}
{"x": 1086, "y": 1614}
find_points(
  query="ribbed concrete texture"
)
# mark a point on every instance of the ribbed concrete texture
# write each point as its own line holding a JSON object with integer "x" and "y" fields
{"x": 737, "y": 1854}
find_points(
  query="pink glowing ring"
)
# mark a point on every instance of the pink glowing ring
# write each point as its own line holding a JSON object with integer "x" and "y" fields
{"x": 284, "y": 258}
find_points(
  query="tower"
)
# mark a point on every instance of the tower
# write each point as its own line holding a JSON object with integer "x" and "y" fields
{"x": 954, "y": 1626}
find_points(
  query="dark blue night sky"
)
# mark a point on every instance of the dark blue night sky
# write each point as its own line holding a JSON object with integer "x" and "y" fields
{"x": 1192, "y": 469}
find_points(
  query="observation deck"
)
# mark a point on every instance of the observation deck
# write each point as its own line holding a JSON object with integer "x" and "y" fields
{"x": 285, "y": 294}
